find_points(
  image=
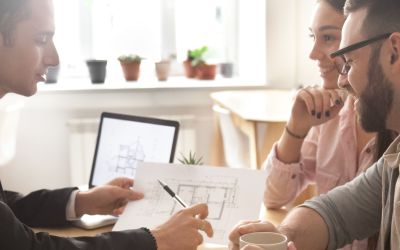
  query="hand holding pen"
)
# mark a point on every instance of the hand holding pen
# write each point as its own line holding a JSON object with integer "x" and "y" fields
{"x": 189, "y": 217}
{"x": 173, "y": 195}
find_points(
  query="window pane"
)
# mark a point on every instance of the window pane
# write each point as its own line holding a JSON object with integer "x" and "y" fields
{"x": 67, "y": 37}
{"x": 234, "y": 31}
{"x": 200, "y": 23}
{"x": 133, "y": 27}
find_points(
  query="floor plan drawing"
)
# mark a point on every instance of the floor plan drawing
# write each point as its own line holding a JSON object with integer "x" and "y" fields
{"x": 218, "y": 196}
{"x": 225, "y": 191}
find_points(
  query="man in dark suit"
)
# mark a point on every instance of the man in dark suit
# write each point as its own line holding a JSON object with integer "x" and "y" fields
{"x": 26, "y": 51}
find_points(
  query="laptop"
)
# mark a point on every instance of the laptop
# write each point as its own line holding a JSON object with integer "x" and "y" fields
{"x": 122, "y": 142}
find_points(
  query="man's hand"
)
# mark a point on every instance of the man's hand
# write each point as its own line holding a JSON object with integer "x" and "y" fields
{"x": 245, "y": 227}
{"x": 110, "y": 198}
{"x": 181, "y": 231}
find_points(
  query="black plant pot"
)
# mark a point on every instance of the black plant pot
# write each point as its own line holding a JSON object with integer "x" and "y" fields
{"x": 97, "y": 70}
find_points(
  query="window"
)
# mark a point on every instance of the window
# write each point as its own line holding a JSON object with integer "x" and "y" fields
{"x": 159, "y": 29}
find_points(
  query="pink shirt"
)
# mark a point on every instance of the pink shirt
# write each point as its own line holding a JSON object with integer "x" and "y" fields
{"x": 328, "y": 159}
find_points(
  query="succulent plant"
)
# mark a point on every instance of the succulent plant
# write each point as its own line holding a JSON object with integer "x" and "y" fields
{"x": 130, "y": 58}
{"x": 191, "y": 159}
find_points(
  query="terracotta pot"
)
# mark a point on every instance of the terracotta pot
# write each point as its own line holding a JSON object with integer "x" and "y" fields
{"x": 206, "y": 71}
{"x": 190, "y": 71}
{"x": 131, "y": 70}
{"x": 162, "y": 70}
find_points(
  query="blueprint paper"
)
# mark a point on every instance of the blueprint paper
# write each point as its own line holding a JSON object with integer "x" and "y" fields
{"x": 231, "y": 194}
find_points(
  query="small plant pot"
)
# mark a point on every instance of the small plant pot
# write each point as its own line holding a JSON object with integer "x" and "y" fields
{"x": 162, "y": 70}
{"x": 190, "y": 71}
{"x": 131, "y": 70}
{"x": 97, "y": 70}
{"x": 52, "y": 74}
{"x": 206, "y": 71}
{"x": 227, "y": 69}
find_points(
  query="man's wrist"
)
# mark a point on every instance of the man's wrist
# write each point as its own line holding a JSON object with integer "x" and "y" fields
{"x": 80, "y": 204}
{"x": 70, "y": 208}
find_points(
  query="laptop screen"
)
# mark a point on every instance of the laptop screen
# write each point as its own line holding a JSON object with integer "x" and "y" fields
{"x": 125, "y": 140}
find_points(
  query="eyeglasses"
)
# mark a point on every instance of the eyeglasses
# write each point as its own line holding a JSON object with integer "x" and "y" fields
{"x": 342, "y": 65}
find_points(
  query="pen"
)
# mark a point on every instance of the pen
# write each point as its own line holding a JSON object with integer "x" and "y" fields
{"x": 173, "y": 195}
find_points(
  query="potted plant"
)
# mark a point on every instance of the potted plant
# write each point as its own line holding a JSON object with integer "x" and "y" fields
{"x": 162, "y": 70}
{"x": 205, "y": 71}
{"x": 130, "y": 66}
{"x": 196, "y": 65}
{"x": 193, "y": 56}
{"x": 97, "y": 70}
{"x": 191, "y": 159}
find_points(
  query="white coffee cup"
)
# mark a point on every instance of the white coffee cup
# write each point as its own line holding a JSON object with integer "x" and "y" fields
{"x": 265, "y": 240}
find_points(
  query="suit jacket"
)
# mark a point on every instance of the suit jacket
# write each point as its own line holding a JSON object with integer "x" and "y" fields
{"x": 45, "y": 208}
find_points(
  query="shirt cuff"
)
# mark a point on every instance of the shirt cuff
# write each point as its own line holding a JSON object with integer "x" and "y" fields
{"x": 70, "y": 209}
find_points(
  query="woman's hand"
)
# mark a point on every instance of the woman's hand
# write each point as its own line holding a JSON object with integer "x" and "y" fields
{"x": 314, "y": 106}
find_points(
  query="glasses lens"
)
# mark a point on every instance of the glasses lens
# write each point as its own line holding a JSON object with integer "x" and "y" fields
{"x": 341, "y": 65}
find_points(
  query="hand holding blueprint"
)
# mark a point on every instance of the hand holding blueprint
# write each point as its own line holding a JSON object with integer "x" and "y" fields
{"x": 231, "y": 194}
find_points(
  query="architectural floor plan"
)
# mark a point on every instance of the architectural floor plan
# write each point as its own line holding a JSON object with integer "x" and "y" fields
{"x": 225, "y": 190}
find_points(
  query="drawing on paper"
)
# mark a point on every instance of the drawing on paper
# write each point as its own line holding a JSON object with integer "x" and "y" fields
{"x": 219, "y": 192}
{"x": 217, "y": 197}
{"x": 225, "y": 191}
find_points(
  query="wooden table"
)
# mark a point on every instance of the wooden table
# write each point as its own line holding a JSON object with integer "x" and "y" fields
{"x": 274, "y": 216}
{"x": 252, "y": 107}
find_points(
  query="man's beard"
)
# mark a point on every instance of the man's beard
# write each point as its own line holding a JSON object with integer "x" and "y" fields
{"x": 377, "y": 98}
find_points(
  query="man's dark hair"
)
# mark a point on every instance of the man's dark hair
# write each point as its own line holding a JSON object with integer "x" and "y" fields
{"x": 336, "y": 4}
{"x": 11, "y": 12}
{"x": 383, "y": 16}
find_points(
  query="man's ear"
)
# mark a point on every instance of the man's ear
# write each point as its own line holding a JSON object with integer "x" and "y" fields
{"x": 394, "y": 48}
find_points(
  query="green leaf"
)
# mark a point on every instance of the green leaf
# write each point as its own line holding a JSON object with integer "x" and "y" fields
{"x": 191, "y": 159}
{"x": 197, "y": 54}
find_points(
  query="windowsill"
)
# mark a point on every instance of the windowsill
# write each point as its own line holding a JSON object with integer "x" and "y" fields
{"x": 84, "y": 84}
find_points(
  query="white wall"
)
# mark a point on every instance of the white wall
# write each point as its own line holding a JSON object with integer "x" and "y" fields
{"x": 307, "y": 71}
{"x": 42, "y": 159}
{"x": 288, "y": 44}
